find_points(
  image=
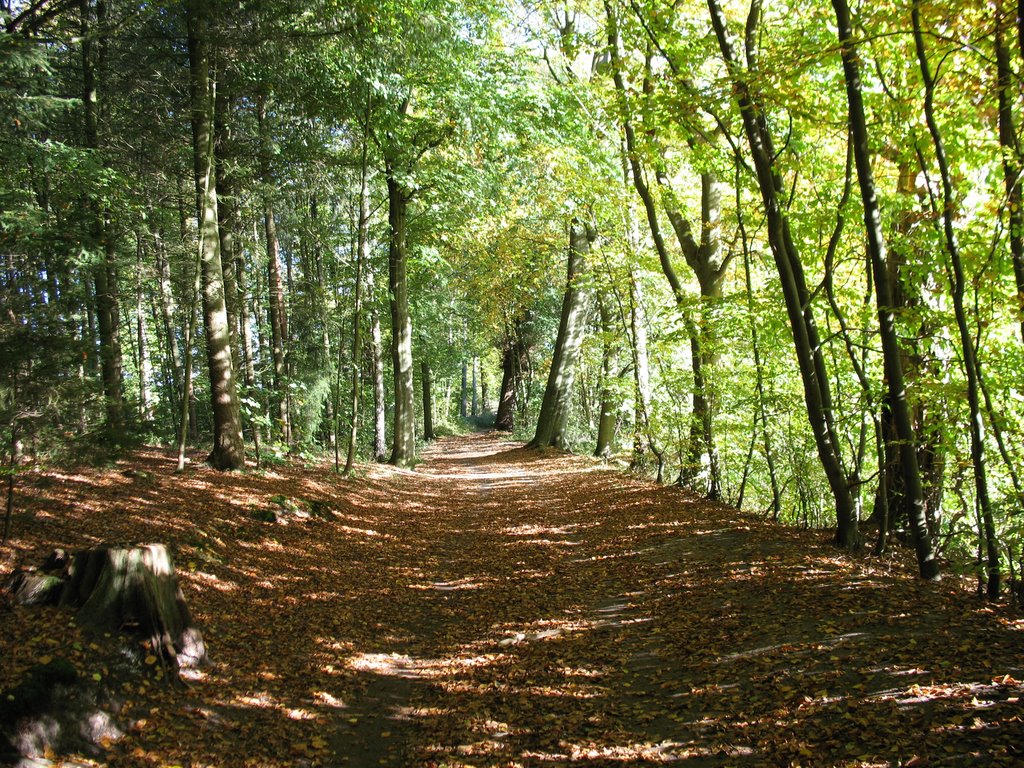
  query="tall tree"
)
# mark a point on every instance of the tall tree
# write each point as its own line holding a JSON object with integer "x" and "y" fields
{"x": 403, "y": 440}
{"x": 958, "y": 286}
{"x": 277, "y": 309}
{"x": 228, "y": 449}
{"x": 797, "y": 296}
{"x": 554, "y": 410}
{"x": 108, "y": 308}
{"x": 891, "y": 352}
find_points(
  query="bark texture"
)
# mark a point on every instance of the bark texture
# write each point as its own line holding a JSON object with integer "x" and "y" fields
{"x": 403, "y": 439}
{"x": 228, "y": 449}
{"x": 796, "y": 295}
{"x": 113, "y": 587}
{"x": 554, "y": 411}
{"x": 891, "y": 351}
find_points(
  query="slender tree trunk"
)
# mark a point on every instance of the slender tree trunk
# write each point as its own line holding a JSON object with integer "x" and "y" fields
{"x": 797, "y": 297}
{"x": 403, "y": 447}
{"x": 186, "y": 408}
{"x": 755, "y": 344}
{"x": 145, "y": 367}
{"x": 428, "y": 402}
{"x": 1006, "y": 84}
{"x": 1012, "y": 166}
{"x": 362, "y": 257}
{"x": 248, "y": 359}
{"x": 89, "y": 333}
{"x": 554, "y": 411}
{"x": 377, "y": 368}
{"x": 464, "y": 392}
{"x": 708, "y": 264}
{"x": 12, "y": 468}
{"x": 275, "y": 285}
{"x": 891, "y": 352}
{"x": 227, "y": 218}
{"x": 643, "y": 436}
{"x": 228, "y": 449}
{"x": 105, "y": 274}
{"x": 607, "y": 418}
{"x": 475, "y": 411}
{"x": 958, "y": 285}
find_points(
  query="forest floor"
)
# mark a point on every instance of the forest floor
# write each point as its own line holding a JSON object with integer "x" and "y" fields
{"x": 499, "y": 607}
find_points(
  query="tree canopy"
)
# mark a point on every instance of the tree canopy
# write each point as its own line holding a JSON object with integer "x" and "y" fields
{"x": 774, "y": 254}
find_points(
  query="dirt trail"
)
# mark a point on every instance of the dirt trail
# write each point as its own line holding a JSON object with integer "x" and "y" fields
{"x": 496, "y": 607}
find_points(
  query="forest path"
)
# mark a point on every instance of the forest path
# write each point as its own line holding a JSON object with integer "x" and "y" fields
{"x": 500, "y": 607}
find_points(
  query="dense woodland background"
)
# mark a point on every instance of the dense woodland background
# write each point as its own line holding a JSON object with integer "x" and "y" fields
{"x": 774, "y": 253}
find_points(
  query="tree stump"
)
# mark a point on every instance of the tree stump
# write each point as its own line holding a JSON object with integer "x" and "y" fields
{"x": 115, "y": 587}
{"x": 28, "y": 588}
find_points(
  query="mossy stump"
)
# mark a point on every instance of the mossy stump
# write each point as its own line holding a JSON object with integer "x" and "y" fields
{"x": 116, "y": 587}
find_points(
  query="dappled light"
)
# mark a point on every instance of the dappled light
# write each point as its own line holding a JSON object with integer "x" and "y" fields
{"x": 570, "y": 615}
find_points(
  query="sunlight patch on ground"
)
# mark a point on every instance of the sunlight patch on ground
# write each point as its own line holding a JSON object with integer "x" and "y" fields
{"x": 656, "y": 525}
{"x": 202, "y": 579}
{"x": 325, "y": 699}
{"x": 538, "y": 530}
{"x": 665, "y": 752}
{"x": 507, "y": 478}
{"x": 401, "y": 665}
{"x": 547, "y": 542}
{"x": 363, "y": 531}
{"x": 469, "y": 582}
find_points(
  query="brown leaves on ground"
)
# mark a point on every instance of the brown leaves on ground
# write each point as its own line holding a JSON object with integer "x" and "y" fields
{"x": 501, "y": 608}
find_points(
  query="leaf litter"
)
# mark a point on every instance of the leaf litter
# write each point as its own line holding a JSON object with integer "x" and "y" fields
{"x": 497, "y": 607}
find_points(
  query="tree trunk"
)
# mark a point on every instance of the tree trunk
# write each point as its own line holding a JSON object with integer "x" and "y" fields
{"x": 428, "y": 402}
{"x": 275, "y": 285}
{"x": 474, "y": 410}
{"x": 512, "y": 362}
{"x": 12, "y": 468}
{"x": 643, "y": 438}
{"x": 227, "y": 218}
{"x": 362, "y": 258}
{"x": 891, "y": 352}
{"x": 969, "y": 353}
{"x": 105, "y": 274}
{"x": 755, "y": 344}
{"x": 168, "y": 309}
{"x": 380, "y": 446}
{"x": 228, "y": 449}
{"x": 1012, "y": 165}
{"x": 554, "y": 411}
{"x": 403, "y": 447}
{"x": 797, "y": 297}
{"x": 248, "y": 358}
{"x": 607, "y": 418}
{"x": 186, "y": 404}
{"x": 113, "y": 587}
{"x": 505, "y": 418}
{"x": 145, "y": 365}
{"x": 464, "y": 391}
{"x": 708, "y": 263}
